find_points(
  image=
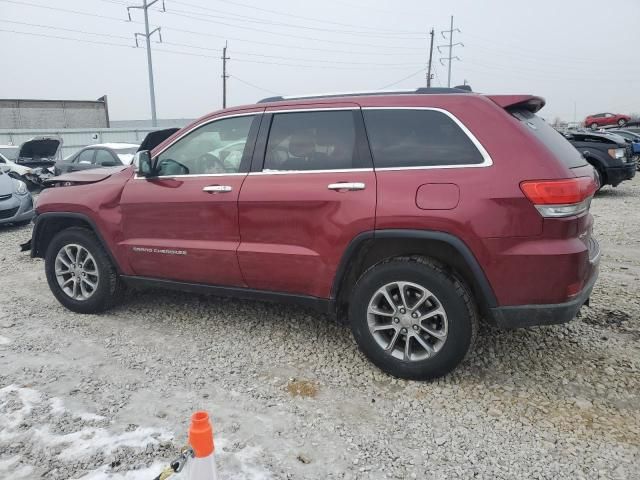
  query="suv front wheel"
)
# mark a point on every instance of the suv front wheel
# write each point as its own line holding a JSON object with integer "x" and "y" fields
{"x": 412, "y": 318}
{"x": 80, "y": 273}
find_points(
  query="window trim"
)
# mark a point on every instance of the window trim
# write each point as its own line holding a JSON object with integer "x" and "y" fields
{"x": 258, "y": 114}
{"x": 487, "y": 161}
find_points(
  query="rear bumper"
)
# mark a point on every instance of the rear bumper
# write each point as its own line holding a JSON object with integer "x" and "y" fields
{"x": 616, "y": 175}
{"x": 518, "y": 316}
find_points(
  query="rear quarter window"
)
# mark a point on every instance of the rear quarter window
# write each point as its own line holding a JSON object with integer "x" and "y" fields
{"x": 417, "y": 138}
{"x": 553, "y": 140}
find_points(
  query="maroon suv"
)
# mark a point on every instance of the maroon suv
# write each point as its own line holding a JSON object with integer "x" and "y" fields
{"x": 411, "y": 214}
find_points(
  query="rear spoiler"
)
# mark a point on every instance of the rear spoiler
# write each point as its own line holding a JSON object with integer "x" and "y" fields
{"x": 515, "y": 102}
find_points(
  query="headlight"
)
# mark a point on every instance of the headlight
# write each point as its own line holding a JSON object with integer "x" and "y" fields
{"x": 20, "y": 186}
{"x": 616, "y": 153}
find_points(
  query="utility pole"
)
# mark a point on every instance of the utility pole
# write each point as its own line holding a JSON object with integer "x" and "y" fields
{"x": 431, "y": 33}
{"x": 147, "y": 34}
{"x": 224, "y": 75}
{"x": 451, "y": 57}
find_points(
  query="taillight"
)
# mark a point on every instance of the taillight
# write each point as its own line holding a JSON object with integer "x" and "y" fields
{"x": 560, "y": 198}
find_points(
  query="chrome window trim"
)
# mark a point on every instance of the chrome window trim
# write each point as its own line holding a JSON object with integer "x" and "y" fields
{"x": 194, "y": 175}
{"x": 297, "y": 172}
{"x": 487, "y": 160}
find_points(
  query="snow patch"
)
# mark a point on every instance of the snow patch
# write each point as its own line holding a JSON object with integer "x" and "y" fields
{"x": 4, "y": 340}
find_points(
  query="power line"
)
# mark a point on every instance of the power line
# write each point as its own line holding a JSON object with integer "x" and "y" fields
{"x": 403, "y": 79}
{"x": 199, "y": 18}
{"x": 235, "y": 77}
{"x": 255, "y": 8}
{"x": 108, "y": 35}
{"x": 245, "y": 18}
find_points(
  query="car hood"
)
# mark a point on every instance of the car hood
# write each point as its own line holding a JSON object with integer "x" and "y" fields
{"x": 40, "y": 147}
{"x": 6, "y": 185}
{"x": 87, "y": 176}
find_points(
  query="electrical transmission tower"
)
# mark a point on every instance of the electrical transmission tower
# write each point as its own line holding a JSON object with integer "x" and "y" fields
{"x": 147, "y": 34}
{"x": 451, "y": 57}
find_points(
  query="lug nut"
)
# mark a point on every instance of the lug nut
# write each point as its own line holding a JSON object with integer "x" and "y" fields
{"x": 415, "y": 327}
{"x": 414, "y": 315}
{"x": 402, "y": 310}
{"x": 404, "y": 330}
{"x": 396, "y": 320}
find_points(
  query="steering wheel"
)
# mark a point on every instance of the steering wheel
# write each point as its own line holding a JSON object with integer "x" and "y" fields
{"x": 209, "y": 161}
{"x": 168, "y": 167}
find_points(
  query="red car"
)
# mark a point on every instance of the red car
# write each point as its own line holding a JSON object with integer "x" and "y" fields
{"x": 602, "y": 119}
{"x": 410, "y": 215}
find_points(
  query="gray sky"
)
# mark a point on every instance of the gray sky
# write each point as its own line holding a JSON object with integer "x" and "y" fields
{"x": 572, "y": 51}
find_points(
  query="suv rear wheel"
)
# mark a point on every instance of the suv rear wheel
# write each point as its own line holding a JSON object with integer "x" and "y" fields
{"x": 593, "y": 126}
{"x": 412, "y": 318}
{"x": 79, "y": 272}
{"x": 622, "y": 122}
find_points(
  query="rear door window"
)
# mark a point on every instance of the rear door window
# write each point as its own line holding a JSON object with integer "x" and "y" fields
{"x": 302, "y": 141}
{"x": 417, "y": 138}
{"x": 552, "y": 139}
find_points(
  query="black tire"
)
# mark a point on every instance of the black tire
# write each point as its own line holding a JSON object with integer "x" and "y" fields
{"x": 622, "y": 122}
{"x": 452, "y": 294}
{"x": 109, "y": 286}
{"x": 593, "y": 126}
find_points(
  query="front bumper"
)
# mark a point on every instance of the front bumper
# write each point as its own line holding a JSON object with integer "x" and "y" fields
{"x": 519, "y": 316}
{"x": 616, "y": 175}
{"x": 18, "y": 208}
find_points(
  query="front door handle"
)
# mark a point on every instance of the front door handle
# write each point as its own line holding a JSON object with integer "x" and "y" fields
{"x": 346, "y": 186}
{"x": 217, "y": 189}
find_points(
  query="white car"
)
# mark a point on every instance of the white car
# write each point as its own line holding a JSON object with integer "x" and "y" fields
{"x": 20, "y": 170}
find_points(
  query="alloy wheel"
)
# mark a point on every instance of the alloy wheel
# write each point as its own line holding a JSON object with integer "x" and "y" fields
{"x": 407, "y": 321}
{"x": 76, "y": 272}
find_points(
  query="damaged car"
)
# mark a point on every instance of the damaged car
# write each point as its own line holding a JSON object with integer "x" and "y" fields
{"x": 40, "y": 152}
{"x": 16, "y": 203}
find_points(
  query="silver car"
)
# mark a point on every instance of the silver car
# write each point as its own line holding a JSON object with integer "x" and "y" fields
{"x": 16, "y": 203}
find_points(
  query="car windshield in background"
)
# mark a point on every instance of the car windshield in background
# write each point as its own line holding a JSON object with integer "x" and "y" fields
{"x": 126, "y": 154}
{"x": 554, "y": 140}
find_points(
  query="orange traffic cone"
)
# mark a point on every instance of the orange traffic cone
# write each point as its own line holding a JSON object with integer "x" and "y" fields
{"x": 203, "y": 464}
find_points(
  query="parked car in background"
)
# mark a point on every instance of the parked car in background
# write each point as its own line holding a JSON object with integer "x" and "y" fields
{"x": 99, "y": 155}
{"x": 14, "y": 170}
{"x": 16, "y": 203}
{"x": 634, "y": 139}
{"x": 410, "y": 215}
{"x": 39, "y": 152}
{"x": 608, "y": 153}
{"x": 603, "y": 119}
{"x": 10, "y": 152}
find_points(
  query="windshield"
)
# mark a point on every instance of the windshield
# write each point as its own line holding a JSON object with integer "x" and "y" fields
{"x": 553, "y": 140}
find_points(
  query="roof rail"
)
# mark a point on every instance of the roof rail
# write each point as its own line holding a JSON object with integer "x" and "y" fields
{"x": 417, "y": 91}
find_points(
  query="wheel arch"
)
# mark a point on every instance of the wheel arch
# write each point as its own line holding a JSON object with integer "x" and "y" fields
{"x": 47, "y": 225}
{"x": 370, "y": 248}
{"x": 596, "y": 162}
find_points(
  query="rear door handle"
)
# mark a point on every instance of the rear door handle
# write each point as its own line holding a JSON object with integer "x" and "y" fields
{"x": 217, "y": 189}
{"x": 346, "y": 186}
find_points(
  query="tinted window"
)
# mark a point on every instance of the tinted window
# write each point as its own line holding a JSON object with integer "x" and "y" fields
{"x": 417, "y": 138}
{"x": 311, "y": 141}
{"x": 553, "y": 140}
{"x": 103, "y": 156}
{"x": 85, "y": 157}
{"x": 216, "y": 147}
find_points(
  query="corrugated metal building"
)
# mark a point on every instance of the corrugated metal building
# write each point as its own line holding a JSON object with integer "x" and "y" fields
{"x": 45, "y": 114}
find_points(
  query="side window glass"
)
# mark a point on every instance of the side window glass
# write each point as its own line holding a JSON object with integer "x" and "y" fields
{"x": 103, "y": 156}
{"x": 85, "y": 157}
{"x": 311, "y": 141}
{"x": 417, "y": 138}
{"x": 216, "y": 147}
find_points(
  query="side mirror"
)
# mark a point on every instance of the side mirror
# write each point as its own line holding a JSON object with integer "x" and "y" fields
{"x": 143, "y": 164}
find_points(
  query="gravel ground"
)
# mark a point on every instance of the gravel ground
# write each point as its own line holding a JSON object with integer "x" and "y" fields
{"x": 291, "y": 397}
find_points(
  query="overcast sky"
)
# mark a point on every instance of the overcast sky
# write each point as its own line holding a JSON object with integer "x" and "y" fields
{"x": 572, "y": 52}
